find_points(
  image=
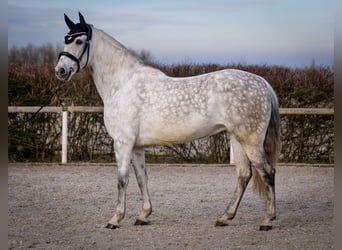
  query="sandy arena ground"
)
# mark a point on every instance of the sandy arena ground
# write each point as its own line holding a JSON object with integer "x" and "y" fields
{"x": 68, "y": 206}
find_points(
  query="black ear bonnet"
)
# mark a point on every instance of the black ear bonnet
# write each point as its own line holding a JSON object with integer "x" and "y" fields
{"x": 76, "y": 30}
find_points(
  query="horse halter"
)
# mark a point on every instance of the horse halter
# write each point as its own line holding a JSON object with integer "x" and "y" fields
{"x": 69, "y": 39}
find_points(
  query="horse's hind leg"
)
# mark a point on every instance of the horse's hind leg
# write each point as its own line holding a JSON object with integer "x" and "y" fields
{"x": 138, "y": 160}
{"x": 265, "y": 183}
{"x": 244, "y": 174}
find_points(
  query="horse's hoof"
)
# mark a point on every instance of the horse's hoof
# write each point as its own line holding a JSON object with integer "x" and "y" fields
{"x": 139, "y": 222}
{"x": 265, "y": 227}
{"x": 220, "y": 224}
{"x": 111, "y": 226}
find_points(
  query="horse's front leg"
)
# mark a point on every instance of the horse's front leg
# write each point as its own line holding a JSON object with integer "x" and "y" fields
{"x": 123, "y": 152}
{"x": 138, "y": 160}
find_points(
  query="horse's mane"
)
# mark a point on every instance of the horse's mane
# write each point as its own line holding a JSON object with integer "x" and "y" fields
{"x": 112, "y": 41}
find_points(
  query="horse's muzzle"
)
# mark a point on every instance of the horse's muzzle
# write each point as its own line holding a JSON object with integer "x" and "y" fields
{"x": 63, "y": 73}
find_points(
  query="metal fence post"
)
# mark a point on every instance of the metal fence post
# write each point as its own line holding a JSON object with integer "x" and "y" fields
{"x": 64, "y": 136}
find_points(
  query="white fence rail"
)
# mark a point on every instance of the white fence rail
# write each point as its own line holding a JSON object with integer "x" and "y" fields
{"x": 99, "y": 109}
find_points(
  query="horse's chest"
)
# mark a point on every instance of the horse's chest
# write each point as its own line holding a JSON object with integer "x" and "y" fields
{"x": 119, "y": 117}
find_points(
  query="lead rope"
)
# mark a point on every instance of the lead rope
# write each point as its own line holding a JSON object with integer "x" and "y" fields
{"x": 59, "y": 85}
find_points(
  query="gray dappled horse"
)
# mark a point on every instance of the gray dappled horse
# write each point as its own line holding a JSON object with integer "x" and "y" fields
{"x": 143, "y": 106}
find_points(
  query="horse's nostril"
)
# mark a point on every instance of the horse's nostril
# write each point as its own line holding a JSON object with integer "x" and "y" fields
{"x": 61, "y": 71}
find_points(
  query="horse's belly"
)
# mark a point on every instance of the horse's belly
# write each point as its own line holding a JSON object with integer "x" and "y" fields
{"x": 174, "y": 133}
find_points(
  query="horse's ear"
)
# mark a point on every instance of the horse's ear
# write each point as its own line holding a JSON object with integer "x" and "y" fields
{"x": 68, "y": 22}
{"x": 82, "y": 21}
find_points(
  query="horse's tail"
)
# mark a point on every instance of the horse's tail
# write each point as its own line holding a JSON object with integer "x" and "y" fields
{"x": 272, "y": 143}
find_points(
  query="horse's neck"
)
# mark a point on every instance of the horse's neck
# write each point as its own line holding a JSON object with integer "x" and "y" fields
{"x": 111, "y": 64}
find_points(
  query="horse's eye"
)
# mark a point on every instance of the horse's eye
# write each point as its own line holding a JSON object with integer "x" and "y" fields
{"x": 79, "y": 41}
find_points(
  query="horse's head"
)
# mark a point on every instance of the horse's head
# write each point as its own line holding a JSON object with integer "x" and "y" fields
{"x": 73, "y": 57}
